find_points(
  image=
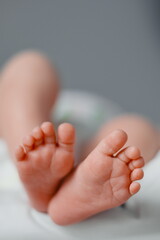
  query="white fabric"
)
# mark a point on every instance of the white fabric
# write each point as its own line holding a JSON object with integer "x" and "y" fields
{"x": 139, "y": 220}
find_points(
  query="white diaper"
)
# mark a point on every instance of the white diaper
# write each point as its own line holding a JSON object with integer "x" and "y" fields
{"x": 139, "y": 220}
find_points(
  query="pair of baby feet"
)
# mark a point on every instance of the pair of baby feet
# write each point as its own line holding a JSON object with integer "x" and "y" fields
{"x": 105, "y": 179}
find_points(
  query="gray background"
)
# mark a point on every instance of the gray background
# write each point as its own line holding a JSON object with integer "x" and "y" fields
{"x": 109, "y": 47}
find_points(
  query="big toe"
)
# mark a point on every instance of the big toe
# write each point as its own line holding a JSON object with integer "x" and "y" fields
{"x": 66, "y": 136}
{"x": 100, "y": 160}
{"x": 113, "y": 142}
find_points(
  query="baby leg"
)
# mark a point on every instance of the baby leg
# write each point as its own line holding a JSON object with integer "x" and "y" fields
{"x": 28, "y": 89}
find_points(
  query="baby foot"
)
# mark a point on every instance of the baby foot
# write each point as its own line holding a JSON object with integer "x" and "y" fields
{"x": 43, "y": 162}
{"x": 102, "y": 181}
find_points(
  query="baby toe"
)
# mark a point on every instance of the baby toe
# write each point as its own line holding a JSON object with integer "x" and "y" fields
{"x": 132, "y": 152}
{"x": 38, "y": 136}
{"x": 122, "y": 156}
{"x": 19, "y": 153}
{"x": 28, "y": 143}
{"x": 128, "y": 154}
{"x": 138, "y": 163}
{"x": 134, "y": 188}
{"x": 49, "y": 133}
{"x": 113, "y": 142}
{"x": 66, "y": 136}
{"x": 137, "y": 174}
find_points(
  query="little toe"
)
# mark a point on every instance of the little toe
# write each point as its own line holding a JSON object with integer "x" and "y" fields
{"x": 134, "y": 188}
{"x": 19, "y": 153}
{"x": 49, "y": 133}
{"x": 137, "y": 174}
{"x": 28, "y": 143}
{"x": 138, "y": 163}
{"x": 113, "y": 142}
{"x": 38, "y": 136}
{"x": 66, "y": 136}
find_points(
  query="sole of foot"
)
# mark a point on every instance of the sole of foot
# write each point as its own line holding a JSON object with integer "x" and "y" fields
{"x": 43, "y": 160}
{"x": 104, "y": 180}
